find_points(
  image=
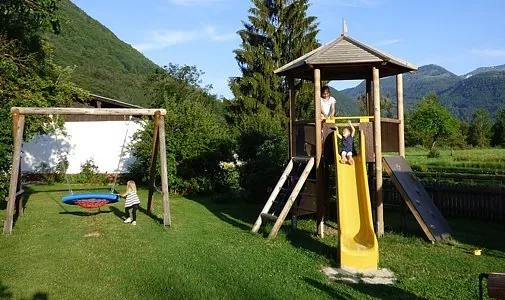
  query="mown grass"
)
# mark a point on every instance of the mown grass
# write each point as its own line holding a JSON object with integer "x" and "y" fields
{"x": 209, "y": 253}
{"x": 475, "y": 159}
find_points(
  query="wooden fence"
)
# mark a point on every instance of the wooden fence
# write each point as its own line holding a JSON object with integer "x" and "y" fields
{"x": 456, "y": 200}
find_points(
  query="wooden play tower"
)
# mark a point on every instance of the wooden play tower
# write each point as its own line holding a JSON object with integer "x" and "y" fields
{"x": 347, "y": 59}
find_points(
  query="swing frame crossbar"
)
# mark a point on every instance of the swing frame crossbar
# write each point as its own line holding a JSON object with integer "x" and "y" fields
{"x": 159, "y": 147}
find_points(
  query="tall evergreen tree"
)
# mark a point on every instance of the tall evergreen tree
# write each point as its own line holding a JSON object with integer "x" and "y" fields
{"x": 498, "y": 130}
{"x": 277, "y": 32}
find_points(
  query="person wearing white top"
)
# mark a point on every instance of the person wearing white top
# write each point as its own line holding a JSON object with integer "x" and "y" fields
{"x": 327, "y": 103}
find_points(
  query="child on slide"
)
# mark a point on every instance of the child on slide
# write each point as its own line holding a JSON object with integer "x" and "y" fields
{"x": 347, "y": 143}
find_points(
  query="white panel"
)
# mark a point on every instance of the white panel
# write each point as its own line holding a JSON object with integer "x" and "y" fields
{"x": 101, "y": 141}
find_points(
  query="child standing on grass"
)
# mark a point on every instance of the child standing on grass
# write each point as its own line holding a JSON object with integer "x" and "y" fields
{"x": 132, "y": 202}
{"x": 347, "y": 144}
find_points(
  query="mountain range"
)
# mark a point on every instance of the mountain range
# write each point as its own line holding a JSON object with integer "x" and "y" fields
{"x": 105, "y": 65}
{"x": 481, "y": 88}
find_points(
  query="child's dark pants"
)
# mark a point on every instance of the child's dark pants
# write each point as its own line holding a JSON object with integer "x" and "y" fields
{"x": 134, "y": 211}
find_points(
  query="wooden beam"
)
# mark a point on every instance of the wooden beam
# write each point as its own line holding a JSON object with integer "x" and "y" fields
{"x": 18, "y": 122}
{"x": 319, "y": 151}
{"x": 167, "y": 219}
{"x": 378, "y": 152}
{"x": 292, "y": 116}
{"x": 154, "y": 159}
{"x": 401, "y": 125}
{"x": 87, "y": 111}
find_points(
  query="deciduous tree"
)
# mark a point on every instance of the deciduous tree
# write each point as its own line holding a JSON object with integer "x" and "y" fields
{"x": 431, "y": 122}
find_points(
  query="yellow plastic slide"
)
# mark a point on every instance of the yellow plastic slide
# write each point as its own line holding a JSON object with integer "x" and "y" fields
{"x": 358, "y": 244}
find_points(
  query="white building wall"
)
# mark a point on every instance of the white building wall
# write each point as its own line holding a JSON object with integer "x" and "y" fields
{"x": 99, "y": 140}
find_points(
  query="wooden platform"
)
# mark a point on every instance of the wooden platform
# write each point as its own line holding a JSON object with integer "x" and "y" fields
{"x": 426, "y": 213}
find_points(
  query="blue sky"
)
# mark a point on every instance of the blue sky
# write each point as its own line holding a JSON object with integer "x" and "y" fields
{"x": 458, "y": 35}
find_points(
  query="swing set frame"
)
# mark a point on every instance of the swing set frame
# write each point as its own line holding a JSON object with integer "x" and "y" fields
{"x": 159, "y": 147}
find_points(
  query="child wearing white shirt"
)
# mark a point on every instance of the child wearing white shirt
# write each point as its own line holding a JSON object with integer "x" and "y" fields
{"x": 327, "y": 103}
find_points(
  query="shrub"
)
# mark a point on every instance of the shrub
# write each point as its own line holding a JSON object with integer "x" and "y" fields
{"x": 89, "y": 174}
{"x": 434, "y": 153}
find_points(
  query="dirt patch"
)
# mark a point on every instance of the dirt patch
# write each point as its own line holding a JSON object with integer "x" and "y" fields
{"x": 92, "y": 234}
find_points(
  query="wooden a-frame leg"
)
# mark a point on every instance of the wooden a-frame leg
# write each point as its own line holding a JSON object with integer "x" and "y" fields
{"x": 18, "y": 128}
{"x": 19, "y": 199}
{"x": 167, "y": 220}
{"x": 154, "y": 158}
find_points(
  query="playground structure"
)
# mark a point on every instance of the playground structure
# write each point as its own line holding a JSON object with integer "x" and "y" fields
{"x": 314, "y": 141}
{"x": 158, "y": 147}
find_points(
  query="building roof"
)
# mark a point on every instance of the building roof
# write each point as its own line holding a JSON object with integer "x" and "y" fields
{"x": 345, "y": 58}
{"x": 112, "y": 103}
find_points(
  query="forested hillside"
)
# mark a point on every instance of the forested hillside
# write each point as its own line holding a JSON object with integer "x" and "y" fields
{"x": 484, "y": 90}
{"x": 104, "y": 64}
{"x": 345, "y": 105}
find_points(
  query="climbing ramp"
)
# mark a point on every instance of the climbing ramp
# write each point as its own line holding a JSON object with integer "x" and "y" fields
{"x": 276, "y": 211}
{"x": 358, "y": 246}
{"x": 419, "y": 202}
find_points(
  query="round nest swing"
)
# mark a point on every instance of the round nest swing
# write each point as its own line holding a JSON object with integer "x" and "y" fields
{"x": 90, "y": 200}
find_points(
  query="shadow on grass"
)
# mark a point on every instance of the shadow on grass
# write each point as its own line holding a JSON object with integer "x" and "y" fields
{"x": 307, "y": 240}
{"x": 121, "y": 214}
{"x": 4, "y": 292}
{"x": 85, "y": 213}
{"x": 479, "y": 233}
{"x": 376, "y": 291}
{"x": 40, "y": 296}
{"x": 242, "y": 216}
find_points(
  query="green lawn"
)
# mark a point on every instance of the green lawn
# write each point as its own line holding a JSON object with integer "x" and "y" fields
{"x": 475, "y": 159}
{"x": 209, "y": 253}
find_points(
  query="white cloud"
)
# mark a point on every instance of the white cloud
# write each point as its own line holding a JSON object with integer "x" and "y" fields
{"x": 387, "y": 42}
{"x": 160, "y": 39}
{"x": 357, "y": 3}
{"x": 193, "y": 2}
{"x": 489, "y": 52}
{"x": 211, "y": 33}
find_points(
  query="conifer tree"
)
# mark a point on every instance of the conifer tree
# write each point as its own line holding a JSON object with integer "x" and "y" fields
{"x": 277, "y": 32}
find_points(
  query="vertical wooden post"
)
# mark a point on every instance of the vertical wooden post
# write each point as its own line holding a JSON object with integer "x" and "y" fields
{"x": 292, "y": 117}
{"x": 154, "y": 159}
{"x": 370, "y": 165}
{"x": 368, "y": 97}
{"x": 401, "y": 139}
{"x": 401, "y": 125}
{"x": 18, "y": 122}
{"x": 378, "y": 151}
{"x": 319, "y": 151}
{"x": 167, "y": 220}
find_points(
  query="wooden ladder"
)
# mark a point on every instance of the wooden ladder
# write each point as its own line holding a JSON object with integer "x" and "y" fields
{"x": 265, "y": 215}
